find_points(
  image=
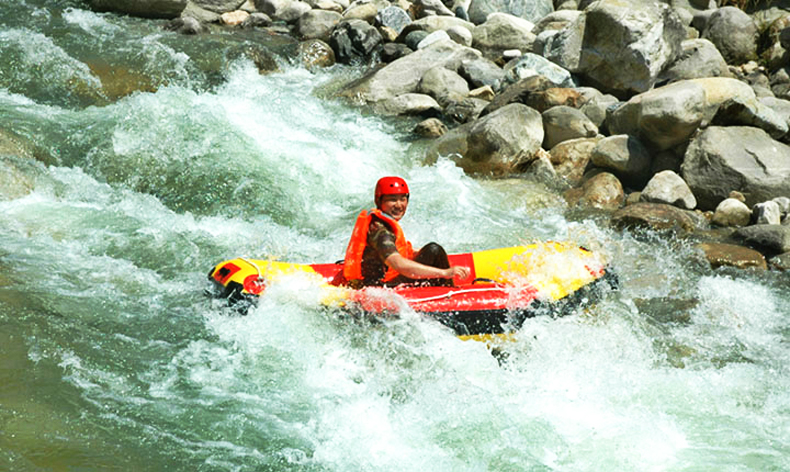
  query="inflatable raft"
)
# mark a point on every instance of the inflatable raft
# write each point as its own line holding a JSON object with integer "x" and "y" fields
{"x": 505, "y": 287}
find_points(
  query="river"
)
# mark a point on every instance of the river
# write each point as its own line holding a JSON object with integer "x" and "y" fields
{"x": 112, "y": 211}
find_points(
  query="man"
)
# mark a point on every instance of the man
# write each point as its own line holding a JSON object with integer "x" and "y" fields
{"x": 378, "y": 252}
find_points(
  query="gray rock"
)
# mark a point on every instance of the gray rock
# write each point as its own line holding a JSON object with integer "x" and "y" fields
{"x": 746, "y": 159}
{"x": 734, "y": 33}
{"x": 393, "y": 51}
{"x": 501, "y": 32}
{"x": 430, "y": 128}
{"x": 667, "y": 187}
{"x": 619, "y": 47}
{"x": 219, "y": 6}
{"x": 594, "y": 104}
{"x": 413, "y": 39}
{"x": 750, "y": 112}
{"x": 780, "y": 262}
{"x": 424, "y": 8}
{"x": 147, "y": 9}
{"x": 784, "y": 204}
{"x": 365, "y": 10}
{"x": 495, "y": 143}
{"x": 354, "y": 41}
{"x": 769, "y": 239}
{"x": 317, "y": 24}
{"x": 430, "y": 24}
{"x": 460, "y": 35}
{"x": 480, "y": 72}
{"x": 556, "y": 21}
{"x": 200, "y": 14}
{"x": 257, "y": 20}
{"x": 465, "y": 110}
{"x": 444, "y": 85}
{"x": 520, "y": 92}
{"x": 529, "y": 65}
{"x": 412, "y": 104}
{"x": 562, "y": 123}
{"x": 393, "y": 17}
{"x": 658, "y": 217}
{"x": 626, "y": 157}
{"x": 732, "y": 212}
{"x": 433, "y": 38}
{"x": 185, "y": 25}
{"x": 531, "y": 10}
{"x": 699, "y": 59}
{"x": 315, "y": 53}
{"x": 767, "y": 213}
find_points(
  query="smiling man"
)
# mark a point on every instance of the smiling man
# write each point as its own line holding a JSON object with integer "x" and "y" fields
{"x": 378, "y": 252}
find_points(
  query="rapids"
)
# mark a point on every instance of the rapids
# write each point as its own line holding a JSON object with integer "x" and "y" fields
{"x": 113, "y": 207}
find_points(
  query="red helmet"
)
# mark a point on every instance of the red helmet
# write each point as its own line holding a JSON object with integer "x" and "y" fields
{"x": 391, "y": 186}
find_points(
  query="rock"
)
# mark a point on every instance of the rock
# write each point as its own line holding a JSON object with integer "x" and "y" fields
{"x": 667, "y": 116}
{"x": 393, "y": 17}
{"x": 460, "y": 35}
{"x": 767, "y": 213}
{"x": 495, "y": 143}
{"x": 234, "y": 18}
{"x": 444, "y": 85}
{"x": 430, "y": 24}
{"x": 480, "y": 72}
{"x": 530, "y": 65}
{"x": 619, "y": 47}
{"x": 699, "y": 58}
{"x": 595, "y": 104}
{"x": 149, "y": 9}
{"x": 626, "y": 157}
{"x": 526, "y": 9}
{"x": 750, "y": 112}
{"x": 556, "y": 97}
{"x": 257, "y": 20}
{"x": 780, "y": 262}
{"x": 430, "y": 128}
{"x": 433, "y": 38}
{"x": 730, "y": 255}
{"x": 556, "y": 21}
{"x": 746, "y": 159}
{"x": 354, "y": 41}
{"x": 667, "y": 187}
{"x": 732, "y": 212}
{"x": 541, "y": 169}
{"x": 393, "y": 51}
{"x": 200, "y": 14}
{"x": 483, "y": 93}
{"x": 185, "y": 25}
{"x": 404, "y": 75}
{"x": 317, "y": 24}
{"x": 603, "y": 191}
{"x": 769, "y": 239}
{"x": 570, "y": 158}
{"x": 465, "y": 110}
{"x": 734, "y": 33}
{"x": 423, "y": 8}
{"x": 562, "y": 123}
{"x": 413, "y": 39}
{"x": 658, "y": 217}
{"x": 316, "y": 53}
{"x": 365, "y": 10}
{"x": 410, "y": 104}
{"x": 783, "y": 203}
{"x": 520, "y": 92}
{"x": 501, "y": 32}
{"x": 218, "y": 6}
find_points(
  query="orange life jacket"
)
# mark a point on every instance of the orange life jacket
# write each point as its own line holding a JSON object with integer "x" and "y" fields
{"x": 352, "y": 265}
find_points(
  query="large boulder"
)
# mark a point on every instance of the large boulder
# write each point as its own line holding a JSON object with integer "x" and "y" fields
{"x": 626, "y": 157}
{"x": 444, "y": 85}
{"x": 529, "y": 65}
{"x": 658, "y": 217}
{"x": 699, "y": 59}
{"x": 219, "y": 6}
{"x": 429, "y": 24}
{"x": 411, "y": 104}
{"x": 734, "y": 33}
{"x": 403, "y": 75}
{"x": 531, "y": 10}
{"x": 570, "y": 158}
{"x": 768, "y": 239}
{"x": 317, "y": 24}
{"x": 354, "y": 41}
{"x": 730, "y": 255}
{"x": 562, "y": 123}
{"x": 480, "y": 72}
{"x": 620, "y": 47}
{"x": 501, "y": 32}
{"x": 143, "y": 8}
{"x": 746, "y": 159}
{"x": 495, "y": 143}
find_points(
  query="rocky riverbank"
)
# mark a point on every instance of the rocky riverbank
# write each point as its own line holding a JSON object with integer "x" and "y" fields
{"x": 669, "y": 116}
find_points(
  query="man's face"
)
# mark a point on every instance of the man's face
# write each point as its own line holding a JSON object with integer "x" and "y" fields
{"x": 394, "y": 205}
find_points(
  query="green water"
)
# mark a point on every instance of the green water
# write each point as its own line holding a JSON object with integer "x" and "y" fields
{"x": 114, "y": 205}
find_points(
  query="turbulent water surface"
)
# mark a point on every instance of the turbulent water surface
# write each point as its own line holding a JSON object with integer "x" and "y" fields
{"x": 114, "y": 205}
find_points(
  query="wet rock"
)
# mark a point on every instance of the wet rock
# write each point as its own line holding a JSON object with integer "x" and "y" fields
{"x": 667, "y": 309}
{"x": 465, "y": 110}
{"x": 667, "y": 187}
{"x": 257, "y": 20}
{"x": 570, "y": 158}
{"x": 317, "y": 24}
{"x": 699, "y": 58}
{"x": 730, "y": 255}
{"x": 658, "y": 217}
{"x": 436, "y": 23}
{"x": 184, "y": 25}
{"x": 430, "y": 128}
{"x": 780, "y": 262}
{"x": 767, "y": 213}
{"x": 408, "y": 104}
{"x": 562, "y": 123}
{"x": 603, "y": 191}
{"x": 734, "y": 33}
{"x": 542, "y": 169}
{"x": 495, "y": 143}
{"x": 479, "y": 10}
{"x": 354, "y": 41}
{"x": 501, "y": 32}
{"x": 732, "y": 212}
{"x": 316, "y": 53}
{"x": 740, "y": 158}
{"x": 150, "y": 9}
{"x": 769, "y": 239}
{"x": 619, "y": 47}
{"x": 626, "y": 157}
{"x": 16, "y": 178}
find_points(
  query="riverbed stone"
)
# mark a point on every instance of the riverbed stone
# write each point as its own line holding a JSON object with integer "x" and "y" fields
{"x": 668, "y": 187}
{"x": 746, "y": 159}
{"x": 185, "y": 25}
{"x": 768, "y": 239}
{"x": 602, "y": 191}
{"x": 317, "y": 24}
{"x": 408, "y": 104}
{"x": 219, "y": 6}
{"x": 732, "y": 212}
{"x": 699, "y": 58}
{"x": 433, "y": 38}
{"x": 147, "y": 9}
{"x": 780, "y": 262}
{"x": 530, "y": 10}
{"x": 425, "y": 8}
{"x": 562, "y": 123}
{"x": 234, "y": 18}
{"x": 354, "y": 41}
{"x": 626, "y": 157}
{"x": 444, "y": 85}
{"x": 257, "y": 20}
{"x": 520, "y": 92}
{"x": 731, "y": 255}
{"x": 571, "y": 158}
{"x": 495, "y": 143}
{"x": 393, "y": 17}
{"x": 429, "y": 24}
{"x": 734, "y": 33}
{"x": 393, "y": 51}
{"x": 767, "y": 213}
{"x": 430, "y": 128}
{"x": 529, "y": 65}
{"x": 501, "y": 32}
{"x": 658, "y": 217}
{"x": 365, "y": 10}
{"x": 465, "y": 110}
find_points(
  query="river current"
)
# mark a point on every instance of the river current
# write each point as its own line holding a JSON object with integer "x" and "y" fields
{"x": 112, "y": 211}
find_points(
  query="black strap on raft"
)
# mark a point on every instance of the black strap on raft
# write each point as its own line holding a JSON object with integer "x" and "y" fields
{"x": 482, "y": 280}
